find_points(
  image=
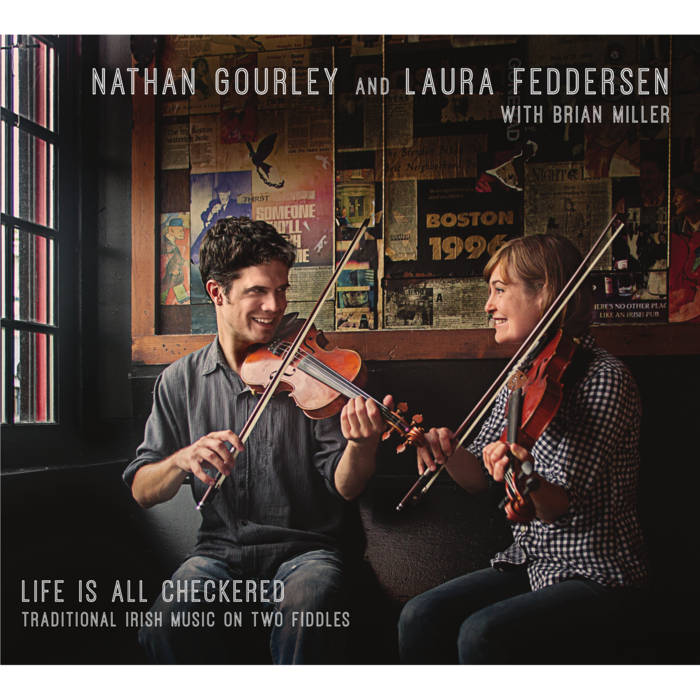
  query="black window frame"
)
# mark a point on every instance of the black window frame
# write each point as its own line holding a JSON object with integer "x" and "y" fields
{"x": 28, "y": 444}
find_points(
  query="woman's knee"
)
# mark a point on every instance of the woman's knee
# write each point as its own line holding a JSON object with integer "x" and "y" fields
{"x": 415, "y": 612}
{"x": 480, "y": 640}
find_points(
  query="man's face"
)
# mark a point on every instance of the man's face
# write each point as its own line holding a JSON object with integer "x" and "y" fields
{"x": 684, "y": 201}
{"x": 224, "y": 196}
{"x": 255, "y": 304}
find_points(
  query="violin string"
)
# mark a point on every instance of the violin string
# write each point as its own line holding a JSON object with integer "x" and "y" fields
{"x": 335, "y": 380}
{"x": 327, "y": 375}
{"x": 330, "y": 377}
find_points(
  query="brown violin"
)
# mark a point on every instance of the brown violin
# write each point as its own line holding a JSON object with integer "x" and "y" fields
{"x": 534, "y": 401}
{"x": 320, "y": 380}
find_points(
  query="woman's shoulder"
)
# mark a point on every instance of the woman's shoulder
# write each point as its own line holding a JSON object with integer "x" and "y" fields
{"x": 607, "y": 375}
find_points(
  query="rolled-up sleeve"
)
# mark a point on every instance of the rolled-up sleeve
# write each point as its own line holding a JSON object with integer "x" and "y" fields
{"x": 163, "y": 435}
{"x": 603, "y": 418}
{"x": 329, "y": 447}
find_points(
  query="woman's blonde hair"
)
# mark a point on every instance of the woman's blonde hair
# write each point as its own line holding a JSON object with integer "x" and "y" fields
{"x": 546, "y": 262}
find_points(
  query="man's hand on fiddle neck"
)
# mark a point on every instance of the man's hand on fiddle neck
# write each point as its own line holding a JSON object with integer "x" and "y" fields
{"x": 362, "y": 424}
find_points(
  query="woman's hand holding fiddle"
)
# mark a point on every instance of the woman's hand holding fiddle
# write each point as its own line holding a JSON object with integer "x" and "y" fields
{"x": 209, "y": 451}
{"x": 551, "y": 501}
{"x": 438, "y": 448}
{"x": 496, "y": 458}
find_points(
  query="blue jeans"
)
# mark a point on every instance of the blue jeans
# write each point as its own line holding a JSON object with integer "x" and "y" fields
{"x": 306, "y": 626}
{"x": 492, "y": 616}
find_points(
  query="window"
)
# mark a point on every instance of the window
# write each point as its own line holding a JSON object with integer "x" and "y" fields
{"x": 31, "y": 149}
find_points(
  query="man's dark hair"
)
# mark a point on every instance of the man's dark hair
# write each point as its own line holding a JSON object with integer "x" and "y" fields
{"x": 233, "y": 243}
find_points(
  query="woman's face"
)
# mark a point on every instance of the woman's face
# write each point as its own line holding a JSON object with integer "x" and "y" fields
{"x": 513, "y": 308}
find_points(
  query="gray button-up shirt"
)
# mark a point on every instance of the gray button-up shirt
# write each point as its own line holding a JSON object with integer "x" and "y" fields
{"x": 280, "y": 499}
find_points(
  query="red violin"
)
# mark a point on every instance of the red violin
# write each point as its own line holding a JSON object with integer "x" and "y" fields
{"x": 321, "y": 380}
{"x": 535, "y": 399}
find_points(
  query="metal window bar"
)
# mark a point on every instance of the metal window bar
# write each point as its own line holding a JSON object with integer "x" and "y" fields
{"x": 30, "y": 257}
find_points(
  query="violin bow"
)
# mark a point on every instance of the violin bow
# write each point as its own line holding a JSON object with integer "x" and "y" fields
{"x": 290, "y": 354}
{"x": 427, "y": 478}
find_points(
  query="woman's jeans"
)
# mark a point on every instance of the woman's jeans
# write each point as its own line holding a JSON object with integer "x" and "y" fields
{"x": 492, "y": 616}
{"x": 307, "y": 626}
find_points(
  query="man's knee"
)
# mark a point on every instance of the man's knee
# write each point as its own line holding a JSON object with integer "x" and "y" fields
{"x": 315, "y": 584}
{"x": 160, "y": 641}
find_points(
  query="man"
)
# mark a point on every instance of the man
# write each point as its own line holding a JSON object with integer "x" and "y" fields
{"x": 684, "y": 284}
{"x": 281, "y": 518}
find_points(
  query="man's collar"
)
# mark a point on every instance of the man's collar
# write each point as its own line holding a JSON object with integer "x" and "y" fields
{"x": 215, "y": 358}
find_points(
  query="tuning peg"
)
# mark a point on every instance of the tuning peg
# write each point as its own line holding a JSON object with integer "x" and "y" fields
{"x": 417, "y": 419}
{"x": 402, "y": 407}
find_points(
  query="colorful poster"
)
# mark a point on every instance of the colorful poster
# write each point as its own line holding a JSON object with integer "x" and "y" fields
{"x": 291, "y": 186}
{"x": 459, "y": 228}
{"x": 174, "y": 253}
{"x": 356, "y": 302}
{"x": 214, "y": 196}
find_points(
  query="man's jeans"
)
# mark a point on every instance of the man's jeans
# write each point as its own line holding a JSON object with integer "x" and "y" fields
{"x": 313, "y": 583}
{"x": 492, "y": 616}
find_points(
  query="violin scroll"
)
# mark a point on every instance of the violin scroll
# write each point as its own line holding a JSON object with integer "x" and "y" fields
{"x": 411, "y": 433}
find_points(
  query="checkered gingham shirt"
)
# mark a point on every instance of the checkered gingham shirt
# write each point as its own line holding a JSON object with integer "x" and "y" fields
{"x": 591, "y": 450}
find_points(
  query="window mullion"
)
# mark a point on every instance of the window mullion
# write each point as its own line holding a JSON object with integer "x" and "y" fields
{"x": 28, "y": 119}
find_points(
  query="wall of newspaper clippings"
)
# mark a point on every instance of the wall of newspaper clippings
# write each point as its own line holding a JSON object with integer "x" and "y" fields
{"x": 461, "y": 142}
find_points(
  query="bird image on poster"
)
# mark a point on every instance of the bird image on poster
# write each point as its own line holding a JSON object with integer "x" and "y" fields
{"x": 259, "y": 157}
{"x": 512, "y": 172}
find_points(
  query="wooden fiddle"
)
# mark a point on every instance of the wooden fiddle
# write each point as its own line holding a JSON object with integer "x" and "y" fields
{"x": 318, "y": 380}
{"x": 532, "y": 405}
{"x": 321, "y": 380}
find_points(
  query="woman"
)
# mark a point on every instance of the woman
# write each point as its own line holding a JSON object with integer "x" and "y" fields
{"x": 580, "y": 561}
